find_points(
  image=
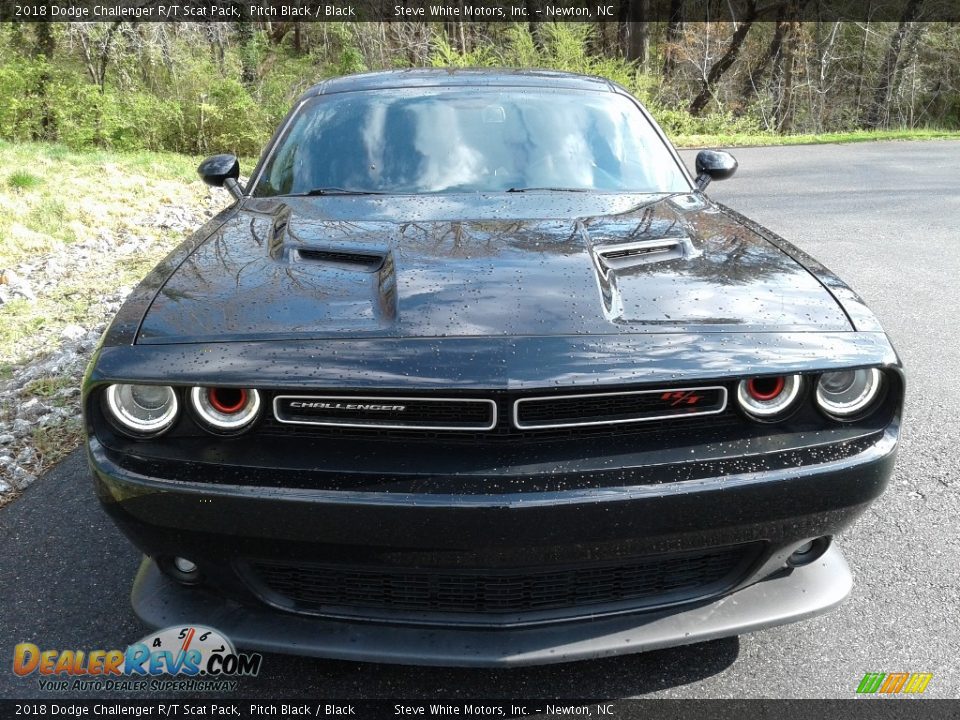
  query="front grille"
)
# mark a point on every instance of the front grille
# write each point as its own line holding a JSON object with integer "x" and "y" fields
{"x": 423, "y": 413}
{"x": 617, "y": 407}
{"x": 475, "y": 595}
{"x": 725, "y": 426}
{"x": 501, "y": 413}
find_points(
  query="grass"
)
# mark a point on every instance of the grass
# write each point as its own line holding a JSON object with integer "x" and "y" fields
{"x": 22, "y": 180}
{"x": 70, "y": 197}
{"x": 48, "y": 387}
{"x": 770, "y": 139}
{"x": 55, "y": 442}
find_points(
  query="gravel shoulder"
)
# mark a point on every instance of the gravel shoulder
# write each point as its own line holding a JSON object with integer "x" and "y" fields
{"x": 80, "y": 230}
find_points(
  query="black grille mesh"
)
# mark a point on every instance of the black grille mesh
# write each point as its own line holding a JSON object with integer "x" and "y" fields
{"x": 385, "y": 411}
{"x": 613, "y": 407}
{"x": 459, "y": 416}
{"x": 702, "y": 428}
{"x": 640, "y": 581}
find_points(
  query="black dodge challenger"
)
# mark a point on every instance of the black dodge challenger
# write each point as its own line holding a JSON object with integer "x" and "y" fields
{"x": 473, "y": 373}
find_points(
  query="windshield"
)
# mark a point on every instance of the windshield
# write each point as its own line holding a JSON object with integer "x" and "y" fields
{"x": 433, "y": 140}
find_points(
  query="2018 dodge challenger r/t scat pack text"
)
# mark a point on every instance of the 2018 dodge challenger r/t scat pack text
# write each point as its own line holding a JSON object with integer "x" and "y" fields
{"x": 472, "y": 372}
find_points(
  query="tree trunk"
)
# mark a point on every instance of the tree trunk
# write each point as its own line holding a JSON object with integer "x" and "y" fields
{"x": 783, "y": 110}
{"x": 460, "y": 30}
{"x": 862, "y": 62}
{"x": 638, "y": 42}
{"x": 45, "y": 46}
{"x": 880, "y": 107}
{"x": 633, "y": 30}
{"x": 754, "y": 77}
{"x": 723, "y": 64}
{"x": 532, "y": 22}
{"x": 911, "y": 55}
{"x": 674, "y": 32}
{"x": 248, "y": 63}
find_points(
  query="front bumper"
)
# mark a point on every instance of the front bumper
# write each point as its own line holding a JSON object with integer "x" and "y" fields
{"x": 223, "y": 527}
{"x": 788, "y": 597}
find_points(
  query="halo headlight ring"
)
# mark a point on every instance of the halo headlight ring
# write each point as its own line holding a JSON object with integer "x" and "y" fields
{"x": 141, "y": 411}
{"x": 225, "y": 410}
{"x": 769, "y": 399}
{"x": 847, "y": 395}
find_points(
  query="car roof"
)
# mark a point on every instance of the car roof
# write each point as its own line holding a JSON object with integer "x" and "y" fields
{"x": 459, "y": 77}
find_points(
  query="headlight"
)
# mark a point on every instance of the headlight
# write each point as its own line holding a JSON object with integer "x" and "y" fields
{"x": 142, "y": 409}
{"x": 846, "y": 393}
{"x": 225, "y": 409}
{"x": 765, "y": 398}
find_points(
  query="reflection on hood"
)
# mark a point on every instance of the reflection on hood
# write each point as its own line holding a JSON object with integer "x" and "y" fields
{"x": 416, "y": 267}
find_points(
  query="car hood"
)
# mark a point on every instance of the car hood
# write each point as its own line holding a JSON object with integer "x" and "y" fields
{"x": 484, "y": 265}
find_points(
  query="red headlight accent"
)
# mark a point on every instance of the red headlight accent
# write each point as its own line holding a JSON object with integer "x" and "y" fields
{"x": 227, "y": 400}
{"x": 764, "y": 389}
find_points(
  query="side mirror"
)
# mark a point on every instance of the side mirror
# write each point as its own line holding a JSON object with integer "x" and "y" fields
{"x": 222, "y": 171}
{"x": 714, "y": 165}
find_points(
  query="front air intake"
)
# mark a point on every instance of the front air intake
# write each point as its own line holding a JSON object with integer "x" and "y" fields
{"x": 626, "y": 255}
{"x": 367, "y": 262}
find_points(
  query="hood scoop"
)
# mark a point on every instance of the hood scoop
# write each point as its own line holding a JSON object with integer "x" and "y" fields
{"x": 622, "y": 256}
{"x": 359, "y": 260}
{"x": 286, "y": 244}
{"x": 301, "y": 271}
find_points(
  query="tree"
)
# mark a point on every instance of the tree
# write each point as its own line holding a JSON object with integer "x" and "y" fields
{"x": 717, "y": 70}
{"x": 45, "y": 47}
{"x": 96, "y": 44}
{"x": 634, "y": 30}
{"x": 674, "y": 33}
{"x": 888, "y": 79}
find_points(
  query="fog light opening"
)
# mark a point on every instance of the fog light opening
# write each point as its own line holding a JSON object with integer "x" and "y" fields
{"x": 185, "y": 566}
{"x": 808, "y": 552}
{"x": 182, "y": 570}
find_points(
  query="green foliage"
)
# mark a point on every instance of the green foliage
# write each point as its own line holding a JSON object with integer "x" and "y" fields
{"x": 677, "y": 122}
{"x": 48, "y": 386}
{"x": 523, "y": 49}
{"x": 343, "y": 51}
{"x": 445, "y": 55}
{"x": 83, "y": 204}
{"x": 20, "y": 111}
{"x": 562, "y": 46}
{"x": 22, "y": 180}
{"x": 47, "y": 218}
{"x": 198, "y": 88}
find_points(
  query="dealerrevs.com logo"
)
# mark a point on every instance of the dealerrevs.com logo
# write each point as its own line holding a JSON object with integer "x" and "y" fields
{"x": 179, "y": 658}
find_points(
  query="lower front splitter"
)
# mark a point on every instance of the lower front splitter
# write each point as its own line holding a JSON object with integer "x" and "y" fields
{"x": 805, "y": 592}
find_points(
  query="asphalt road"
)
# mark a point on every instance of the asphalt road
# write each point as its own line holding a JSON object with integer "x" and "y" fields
{"x": 884, "y": 216}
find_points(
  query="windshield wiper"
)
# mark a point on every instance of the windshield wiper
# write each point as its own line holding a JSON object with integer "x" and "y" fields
{"x": 549, "y": 189}
{"x": 338, "y": 191}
